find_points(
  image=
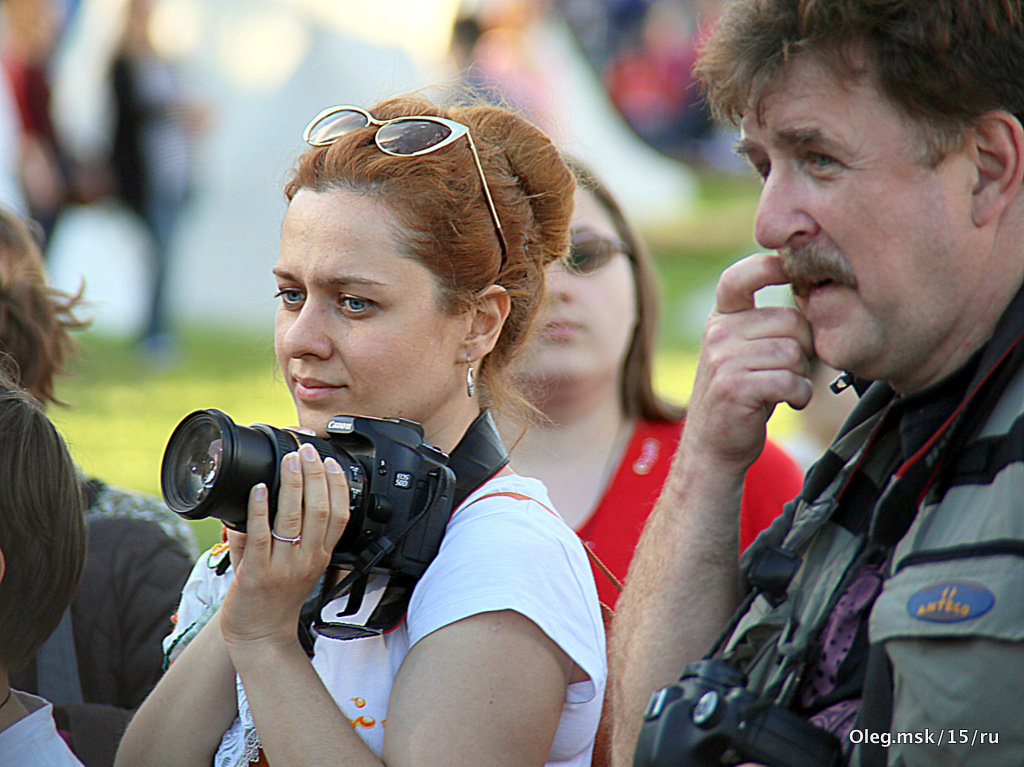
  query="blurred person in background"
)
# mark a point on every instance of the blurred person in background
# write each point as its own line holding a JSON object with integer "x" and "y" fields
{"x": 42, "y": 551}
{"x": 106, "y": 653}
{"x": 154, "y": 128}
{"x": 29, "y": 30}
{"x": 10, "y": 129}
{"x": 605, "y": 440}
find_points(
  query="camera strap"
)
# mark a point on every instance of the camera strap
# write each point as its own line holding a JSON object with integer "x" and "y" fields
{"x": 479, "y": 455}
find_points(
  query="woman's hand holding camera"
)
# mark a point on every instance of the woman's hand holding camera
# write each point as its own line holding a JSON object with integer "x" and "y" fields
{"x": 277, "y": 566}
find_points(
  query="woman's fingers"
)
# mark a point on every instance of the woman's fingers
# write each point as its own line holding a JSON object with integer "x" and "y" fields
{"x": 316, "y": 504}
{"x": 337, "y": 488}
{"x": 312, "y": 507}
{"x": 254, "y": 543}
{"x": 288, "y": 520}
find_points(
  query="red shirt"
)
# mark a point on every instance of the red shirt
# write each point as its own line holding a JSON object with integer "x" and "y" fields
{"x": 613, "y": 530}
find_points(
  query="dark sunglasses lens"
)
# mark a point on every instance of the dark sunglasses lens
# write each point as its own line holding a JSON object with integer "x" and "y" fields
{"x": 411, "y": 136}
{"x": 590, "y": 254}
{"x": 336, "y": 125}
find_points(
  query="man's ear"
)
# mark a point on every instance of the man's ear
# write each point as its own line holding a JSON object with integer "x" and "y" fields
{"x": 999, "y": 156}
{"x": 486, "y": 321}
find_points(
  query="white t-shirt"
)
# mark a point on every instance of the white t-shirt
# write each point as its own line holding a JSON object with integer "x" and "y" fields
{"x": 33, "y": 741}
{"x": 498, "y": 553}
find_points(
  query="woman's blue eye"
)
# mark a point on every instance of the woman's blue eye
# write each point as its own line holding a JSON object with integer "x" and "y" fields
{"x": 354, "y": 304}
{"x": 289, "y": 297}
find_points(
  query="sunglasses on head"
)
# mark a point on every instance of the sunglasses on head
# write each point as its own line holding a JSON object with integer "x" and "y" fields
{"x": 407, "y": 136}
{"x": 588, "y": 252}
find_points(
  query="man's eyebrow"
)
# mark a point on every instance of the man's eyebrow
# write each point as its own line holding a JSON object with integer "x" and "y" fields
{"x": 745, "y": 147}
{"x": 795, "y": 138}
{"x": 800, "y": 137}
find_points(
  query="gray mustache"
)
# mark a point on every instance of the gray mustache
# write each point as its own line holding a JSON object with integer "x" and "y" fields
{"x": 814, "y": 263}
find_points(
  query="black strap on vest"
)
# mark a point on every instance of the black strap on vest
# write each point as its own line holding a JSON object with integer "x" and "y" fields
{"x": 875, "y": 711}
{"x": 479, "y": 455}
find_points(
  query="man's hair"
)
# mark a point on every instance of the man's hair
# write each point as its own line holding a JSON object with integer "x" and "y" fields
{"x": 942, "y": 63}
{"x": 42, "y": 525}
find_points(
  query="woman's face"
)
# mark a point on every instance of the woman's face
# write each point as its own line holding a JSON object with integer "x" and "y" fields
{"x": 589, "y": 318}
{"x": 359, "y": 329}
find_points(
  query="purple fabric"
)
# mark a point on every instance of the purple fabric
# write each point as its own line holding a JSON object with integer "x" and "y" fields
{"x": 838, "y": 718}
{"x": 834, "y": 645}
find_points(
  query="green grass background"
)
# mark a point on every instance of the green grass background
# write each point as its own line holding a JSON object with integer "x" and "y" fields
{"x": 121, "y": 408}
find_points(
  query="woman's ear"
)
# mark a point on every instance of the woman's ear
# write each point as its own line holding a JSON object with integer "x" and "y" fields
{"x": 487, "y": 317}
{"x": 998, "y": 148}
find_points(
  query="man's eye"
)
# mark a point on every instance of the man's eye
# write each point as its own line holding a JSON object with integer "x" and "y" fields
{"x": 820, "y": 161}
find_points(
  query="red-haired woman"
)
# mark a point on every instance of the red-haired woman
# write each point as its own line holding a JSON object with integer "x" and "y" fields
{"x": 412, "y": 263}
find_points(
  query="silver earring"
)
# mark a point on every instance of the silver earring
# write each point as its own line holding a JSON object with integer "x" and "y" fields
{"x": 470, "y": 386}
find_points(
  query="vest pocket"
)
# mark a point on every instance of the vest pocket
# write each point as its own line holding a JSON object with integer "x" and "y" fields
{"x": 951, "y": 629}
{"x": 976, "y": 596}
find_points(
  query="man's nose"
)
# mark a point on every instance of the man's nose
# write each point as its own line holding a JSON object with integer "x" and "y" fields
{"x": 783, "y": 212}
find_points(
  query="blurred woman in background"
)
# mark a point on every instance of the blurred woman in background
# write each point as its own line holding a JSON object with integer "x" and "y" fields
{"x": 605, "y": 443}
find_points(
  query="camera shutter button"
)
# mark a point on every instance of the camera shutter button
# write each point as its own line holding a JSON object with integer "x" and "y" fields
{"x": 708, "y": 709}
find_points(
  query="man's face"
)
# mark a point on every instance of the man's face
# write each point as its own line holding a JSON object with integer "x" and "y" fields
{"x": 880, "y": 247}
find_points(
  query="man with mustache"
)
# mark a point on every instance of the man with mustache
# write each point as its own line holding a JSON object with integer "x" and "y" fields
{"x": 884, "y": 606}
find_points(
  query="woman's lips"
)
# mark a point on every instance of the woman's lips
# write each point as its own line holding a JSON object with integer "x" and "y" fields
{"x": 560, "y": 330}
{"x": 311, "y": 390}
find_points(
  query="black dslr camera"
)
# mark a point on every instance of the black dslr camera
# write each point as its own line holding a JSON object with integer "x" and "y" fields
{"x": 710, "y": 718}
{"x": 400, "y": 487}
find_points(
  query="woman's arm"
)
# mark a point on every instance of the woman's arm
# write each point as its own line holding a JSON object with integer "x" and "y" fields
{"x": 183, "y": 719}
{"x": 487, "y": 689}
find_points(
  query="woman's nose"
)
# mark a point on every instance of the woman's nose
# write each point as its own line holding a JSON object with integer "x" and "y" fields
{"x": 307, "y": 332}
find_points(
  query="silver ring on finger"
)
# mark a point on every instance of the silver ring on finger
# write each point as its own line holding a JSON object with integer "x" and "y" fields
{"x": 293, "y": 541}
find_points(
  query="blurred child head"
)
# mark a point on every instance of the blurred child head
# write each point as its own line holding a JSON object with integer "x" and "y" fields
{"x": 42, "y": 525}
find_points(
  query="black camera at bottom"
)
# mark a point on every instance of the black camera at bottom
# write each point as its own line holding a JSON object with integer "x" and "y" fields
{"x": 710, "y": 718}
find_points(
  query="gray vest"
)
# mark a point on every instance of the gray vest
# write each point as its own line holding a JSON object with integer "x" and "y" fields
{"x": 950, "y": 616}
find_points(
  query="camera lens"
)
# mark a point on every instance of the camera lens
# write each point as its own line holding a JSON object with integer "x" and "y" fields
{"x": 211, "y": 463}
{"x": 201, "y": 452}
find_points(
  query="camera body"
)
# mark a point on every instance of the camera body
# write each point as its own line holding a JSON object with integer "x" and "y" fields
{"x": 401, "y": 489}
{"x": 710, "y": 718}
